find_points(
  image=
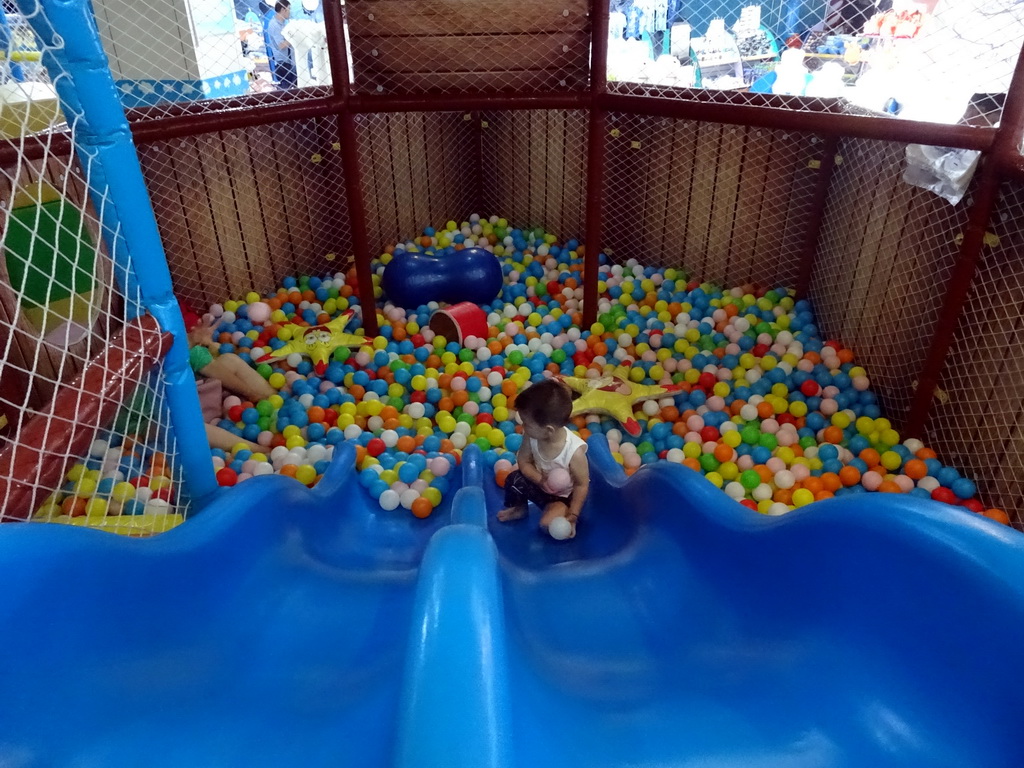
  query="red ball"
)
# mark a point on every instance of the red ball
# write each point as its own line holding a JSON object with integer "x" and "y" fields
{"x": 810, "y": 388}
{"x": 759, "y": 350}
{"x": 749, "y": 504}
{"x": 974, "y": 505}
{"x": 375, "y": 447}
{"x": 707, "y": 381}
{"x": 709, "y": 434}
{"x": 554, "y": 287}
{"x": 227, "y": 476}
{"x": 945, "y": 495}
{"x": 786, "y": 418}
{"x": 166, "y": 493}
{"x": 418, "y": 340}
{"x": 418, "y": 396}
{"x": 235, "y": 413}
{"x": 331, "y": 416}
{"x": 484, "y": 418}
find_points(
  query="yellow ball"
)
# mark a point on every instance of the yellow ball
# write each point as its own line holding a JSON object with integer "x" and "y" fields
{"x": 798, "y": 408}
{"x": 729, "y": 470}
{"x": 251, "y": 297}
{"x": 891, "y": 460}
{"x": 890, "y": 437}
{"x": 122, "y": 491}
{"x": 732, "y": 438}
{"x": 721, "y": 388}
{"x": 276, "y": 380}
{"x": 305, "y": 474}
{"x": 840, "y": 420}
{"x": 295, "y": 441}
{"x": 290, "y": 431}
{"x": 96, "y": 507}
{"x": 715, "y": 479}
{"x": 691, "y": 450}
{"x": 802, "y": 497}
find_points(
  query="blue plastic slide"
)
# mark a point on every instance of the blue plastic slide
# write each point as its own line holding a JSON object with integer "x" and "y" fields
{"x": 289, "y": 627}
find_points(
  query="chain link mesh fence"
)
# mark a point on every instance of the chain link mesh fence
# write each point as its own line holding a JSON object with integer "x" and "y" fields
{"x": 731, "y": 204}
{"x": 451, "y": 46}
{"x": 84, "y": 432}
{"x": 533, "y": 168}
{"x": 978, "y": 411}
{"x": 945, "y": 61}
{"x": 164, "y": 55}
{"x": 885, "y": 255}
{"x": 239, "y": 210}
{"x": 418, "y": 169}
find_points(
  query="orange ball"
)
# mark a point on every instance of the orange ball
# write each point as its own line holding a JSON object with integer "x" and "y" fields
{"x": 998, "y": 515}
{"x": 826, "y": 494}
{"x": 723, "y": 452}
{"x": 422, "y": 508}
{"x": 316, "y": 413}
{"x": 870, "y": 457}
{"x": 765, "y": 410}
{"x": 888, "y": 486}
{"x": 406, "y": 444}
{"x": 289, "y": 470}
{"x": 927, "y": 453}
{"x": 833, "y": 435}
{"x": 849, "y": 476}
{"x": 915, "y": 469}
{"x": 501, "y": 477}
{"x": 831, "y": 481}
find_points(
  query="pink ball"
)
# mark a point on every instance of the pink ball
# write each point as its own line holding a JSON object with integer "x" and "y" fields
{"x": 559, "y": 481}
{"x": 716, "y": 403}
{"x": 259, "y": 312}
{"x": 458, "y": 384}
{"x": 770, "y": 426}
{"x": 745, "y": 462}
{"x": 830, "y": 391}
{"x": 871, "y": 480}
{"x": 439, "y": 467}
{"x": 785, "y": 437}
{"x": 709, "y": 446}
{"x": 692, "y": 437}
{"x": 775, "y": 464}
{"x": 800, "y": 471}
{"x": 860, "y": 383}
{"x": 695, "y": 423}
{"x": 905, "y": 483}
{"x": 828, "y": 407}
{"x": 265, "y": 437}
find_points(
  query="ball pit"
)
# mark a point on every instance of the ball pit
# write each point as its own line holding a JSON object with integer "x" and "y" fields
{"x": 766, "y": 409}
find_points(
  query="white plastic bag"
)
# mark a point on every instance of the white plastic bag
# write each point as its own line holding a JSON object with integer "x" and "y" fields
{"x": 943, "y": 170}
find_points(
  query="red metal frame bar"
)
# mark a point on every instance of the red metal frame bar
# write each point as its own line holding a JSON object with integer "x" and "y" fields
{"x": 596, "y": 130}
{"x": 338, "y": 50}
{"x": 29, "y": 465}
{"x": 827, "y": 123}
{"x": 468, "y": 102}
{"x": 820, "y": 195}
{"x": 1005, "y": 146}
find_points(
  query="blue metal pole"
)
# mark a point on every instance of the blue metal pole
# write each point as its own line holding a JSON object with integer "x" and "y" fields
{"x": 78, "y": 67}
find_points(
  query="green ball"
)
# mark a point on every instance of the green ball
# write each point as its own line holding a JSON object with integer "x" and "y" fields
{"x": 397, "y": 403}
{"x": 466, "y": 355}
{"x": 515, "y": 357}
{"x": 264, "y": 408}
{"x": 341, "y": 354}
{"x": 264, "y": 370}
{"x": 750, "y": 434}
{"x": 769, "y": 441}
{"x": 645, "y": 447}
{"x": 763, "y": 327}
{"x": 483, "y": 443}
{"x": 708, "y": 462}
{"x": 558, "y": 356}
{"x": 263, "y": 423}
{"x": 807, "y": 442}
{"x": 750, "y": 479}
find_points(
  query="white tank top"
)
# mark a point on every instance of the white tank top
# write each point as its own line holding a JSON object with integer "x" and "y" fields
{"x": 573, "y": 442}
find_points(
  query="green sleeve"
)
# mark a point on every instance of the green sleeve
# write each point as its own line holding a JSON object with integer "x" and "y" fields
{"x": 199, "y": 357}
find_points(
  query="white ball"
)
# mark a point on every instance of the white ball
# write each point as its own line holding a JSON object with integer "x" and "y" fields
{"x": 389, "y": 500}
{"x": 99, "y": 448}
{"x": 735, "y": 490}
{"x": 785, "y": 479}
{"x": 778, "y": 508}
{"x": 352, "y": 432}
{"x": 560, "y": 529}
{"x": 929, "y": 483}
{"x": 913, "y": 445}
{"x": 294, "y": 359}
{"x": 408, "y": 497}
{"x": 390, "y": 437}
{"x": 763, "y": 492}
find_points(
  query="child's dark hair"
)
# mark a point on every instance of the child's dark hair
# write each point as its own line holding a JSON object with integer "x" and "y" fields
{"x": 548, "y": 403}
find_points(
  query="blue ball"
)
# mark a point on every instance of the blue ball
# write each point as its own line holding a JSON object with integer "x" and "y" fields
{"x": 964, "y": 488}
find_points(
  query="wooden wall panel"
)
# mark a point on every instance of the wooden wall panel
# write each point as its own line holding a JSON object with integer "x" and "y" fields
{"x": 729, "y": 203}
{"x": 423, "y": 46}
{"x": 884, "y": 257}
{"x": 239, "y": 210}
{"x": 533, "y": 169}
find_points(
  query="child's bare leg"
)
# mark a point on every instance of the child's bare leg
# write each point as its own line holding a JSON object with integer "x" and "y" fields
{"x": 551, "y": 511}
{"x": 512, "y": 513}
{"x": 235, "y": 375}
{"x": 221, "y": 438}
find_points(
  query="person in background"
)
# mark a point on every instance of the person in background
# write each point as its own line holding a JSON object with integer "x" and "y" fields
{"x": 284, "y": 60}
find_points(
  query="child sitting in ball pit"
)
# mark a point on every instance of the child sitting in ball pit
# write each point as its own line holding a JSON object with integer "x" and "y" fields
{"x": 552, "y": 460}
{"x": 225, "y": 371}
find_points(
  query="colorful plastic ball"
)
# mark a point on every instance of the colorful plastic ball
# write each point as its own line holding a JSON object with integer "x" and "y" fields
{"x": 560, "y": 529}
{"x": 945, "y": 495}
{"x": 389, "y": 500}
{"x": 963, "y": 488}
{"x": 258, "y": 312}
{"x": 226, "y": 477}
{"x": 802, "y": 497}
